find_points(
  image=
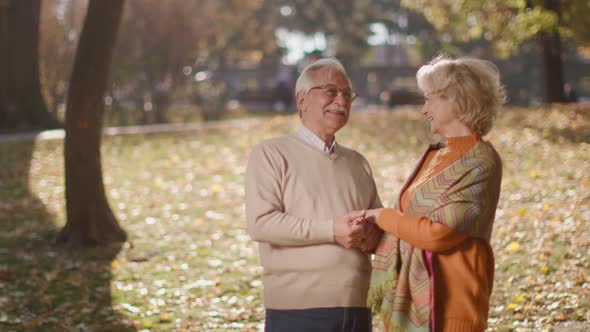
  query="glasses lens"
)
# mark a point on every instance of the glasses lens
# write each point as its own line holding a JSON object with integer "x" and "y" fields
{"x": 332, "y": 92}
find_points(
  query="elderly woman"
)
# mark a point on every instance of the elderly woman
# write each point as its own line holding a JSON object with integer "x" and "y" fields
{"x": 434, "y": 267}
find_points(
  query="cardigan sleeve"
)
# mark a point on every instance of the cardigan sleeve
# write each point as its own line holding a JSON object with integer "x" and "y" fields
{"x": 420, "y": 232}
{"x": 266, "y": 220}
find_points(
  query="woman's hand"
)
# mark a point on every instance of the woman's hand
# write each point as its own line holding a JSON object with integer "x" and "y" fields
{"x": 373, "y": 215}
{"x": 356, "y": 217}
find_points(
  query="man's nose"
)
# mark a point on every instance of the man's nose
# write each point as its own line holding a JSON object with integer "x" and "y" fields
{"x": 340, "y": 99}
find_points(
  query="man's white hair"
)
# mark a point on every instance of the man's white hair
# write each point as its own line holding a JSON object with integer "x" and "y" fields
{"x": 306, "y": 80}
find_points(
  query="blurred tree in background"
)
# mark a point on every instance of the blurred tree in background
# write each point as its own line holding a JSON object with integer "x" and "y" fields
{"x": 90, "y": 220}
{"x": 507, "y": 24}
{"x": 21, "y": 103}
{"x": 403, "y": 21}
{"x": 61, "y": 23}
{"x": 346, "y": 22}
{"x": 163, "y": 43}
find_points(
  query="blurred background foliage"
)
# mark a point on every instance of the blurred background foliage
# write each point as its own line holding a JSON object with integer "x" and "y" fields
{"x": 186, "y": 61}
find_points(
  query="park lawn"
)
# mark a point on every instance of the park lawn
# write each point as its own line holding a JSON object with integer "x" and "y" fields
{"x": 189, "y": 264}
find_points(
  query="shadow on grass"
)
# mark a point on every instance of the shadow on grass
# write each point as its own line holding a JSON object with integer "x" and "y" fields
{"x": 572, "y": 125}
{"x": 572, "y": 135}
{"x": 577, "y": 131}
{"x": 44, "y": 287}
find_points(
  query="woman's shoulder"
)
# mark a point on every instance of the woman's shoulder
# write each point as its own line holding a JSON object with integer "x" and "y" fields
{"x": 484, "y": 156}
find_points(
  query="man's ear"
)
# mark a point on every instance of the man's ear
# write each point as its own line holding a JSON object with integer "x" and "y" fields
{"x": 300, "y": 97}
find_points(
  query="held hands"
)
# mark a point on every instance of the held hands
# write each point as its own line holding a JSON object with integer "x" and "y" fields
{"x": 357, "y": 229}
{"x": 349, "y": 229}
{"x": 373, "y": 232}
{"x": 373, "y": 215}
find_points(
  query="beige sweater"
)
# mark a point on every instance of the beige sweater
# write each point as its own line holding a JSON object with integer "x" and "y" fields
{"x": 293, "y": 192}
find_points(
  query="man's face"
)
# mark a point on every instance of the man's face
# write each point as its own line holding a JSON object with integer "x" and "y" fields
{"x": 326, "y": 107}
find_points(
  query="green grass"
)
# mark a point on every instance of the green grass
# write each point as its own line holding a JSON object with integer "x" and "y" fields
{"x": 189, "y": 264}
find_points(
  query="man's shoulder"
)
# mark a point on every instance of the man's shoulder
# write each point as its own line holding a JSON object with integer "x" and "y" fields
{"x": 279, "y": 145}
{"x": 344, "y": 150}
{"x": 347, "y": 149}
{"x": 275, "y": 142}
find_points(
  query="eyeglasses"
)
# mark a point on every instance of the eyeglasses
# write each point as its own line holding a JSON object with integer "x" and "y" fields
{"x": 331, "y": 91}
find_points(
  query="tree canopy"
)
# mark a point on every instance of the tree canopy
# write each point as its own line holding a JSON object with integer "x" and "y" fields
{"x": 506, "y": 23}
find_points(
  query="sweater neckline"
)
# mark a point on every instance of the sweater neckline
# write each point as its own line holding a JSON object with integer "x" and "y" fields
{"x": 332, "y": 156}
{"x": 461, "y": 144}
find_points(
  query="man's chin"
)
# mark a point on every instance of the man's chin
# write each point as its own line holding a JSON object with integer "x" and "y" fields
{"x": 336, "y": 126}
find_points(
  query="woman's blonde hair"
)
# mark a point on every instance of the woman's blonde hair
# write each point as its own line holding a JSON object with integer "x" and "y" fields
{"x": 473, "y": 84}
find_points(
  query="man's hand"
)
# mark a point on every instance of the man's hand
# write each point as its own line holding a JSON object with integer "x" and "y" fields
{"x": 349, "y": 229}
{"x": 372, "y": 237}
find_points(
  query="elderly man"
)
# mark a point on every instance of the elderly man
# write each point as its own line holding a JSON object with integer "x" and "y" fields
{"x": 299, "y": 189}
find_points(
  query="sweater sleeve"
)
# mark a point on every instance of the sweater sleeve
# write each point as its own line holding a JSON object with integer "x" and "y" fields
{"x": 266, "y": 219}
{"x": 375, "y": 200}
{"x": 420, "y": 232}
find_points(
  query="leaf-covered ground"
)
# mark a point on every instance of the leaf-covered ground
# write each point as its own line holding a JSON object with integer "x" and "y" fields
{"x": 190, "y": 266}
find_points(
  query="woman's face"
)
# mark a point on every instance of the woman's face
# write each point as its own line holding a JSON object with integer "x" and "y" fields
{"x": 440, "y": 111}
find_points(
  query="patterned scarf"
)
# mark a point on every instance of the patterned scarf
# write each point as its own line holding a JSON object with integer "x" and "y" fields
{"x": 464, "y": 197}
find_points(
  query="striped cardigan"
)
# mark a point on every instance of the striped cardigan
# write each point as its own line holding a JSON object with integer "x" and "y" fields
{"x": 464, "y": 196}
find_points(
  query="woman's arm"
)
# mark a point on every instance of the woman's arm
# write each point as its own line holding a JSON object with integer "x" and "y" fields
{"x": 420, "y": 232}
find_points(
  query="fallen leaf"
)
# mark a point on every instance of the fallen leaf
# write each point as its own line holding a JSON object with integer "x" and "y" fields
{"x": 514, "y": 247}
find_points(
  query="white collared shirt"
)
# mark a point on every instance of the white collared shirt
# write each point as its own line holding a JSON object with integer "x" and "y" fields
{"x": 311, "y": 138}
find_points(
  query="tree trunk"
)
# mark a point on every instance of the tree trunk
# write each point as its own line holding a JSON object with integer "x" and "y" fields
{"x": 550, "y": 42}
{"x": 21, "y": 103}
{"x": 90, "y": 220}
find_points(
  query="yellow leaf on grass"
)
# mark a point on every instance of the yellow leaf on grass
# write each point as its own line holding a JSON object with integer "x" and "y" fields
{"x": 115, "y": 264}
{"x": 546, "y": 207}
{"x": 514, "y": 247}
{"x": 147, "y": 324}
{"x": 519, "y": 298}
{"x": 164, "y": 318}
{"x": 544, "y": 269}
{"x": 534, "y": 174}
{"x": 512, "y": 306}
{"x": 522, "y": 211}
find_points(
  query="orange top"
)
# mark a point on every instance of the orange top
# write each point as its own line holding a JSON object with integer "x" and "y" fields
{"x": 463, "y": 265}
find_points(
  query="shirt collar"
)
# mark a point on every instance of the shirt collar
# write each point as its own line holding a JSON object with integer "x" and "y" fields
{"x": 311, "y": 138}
